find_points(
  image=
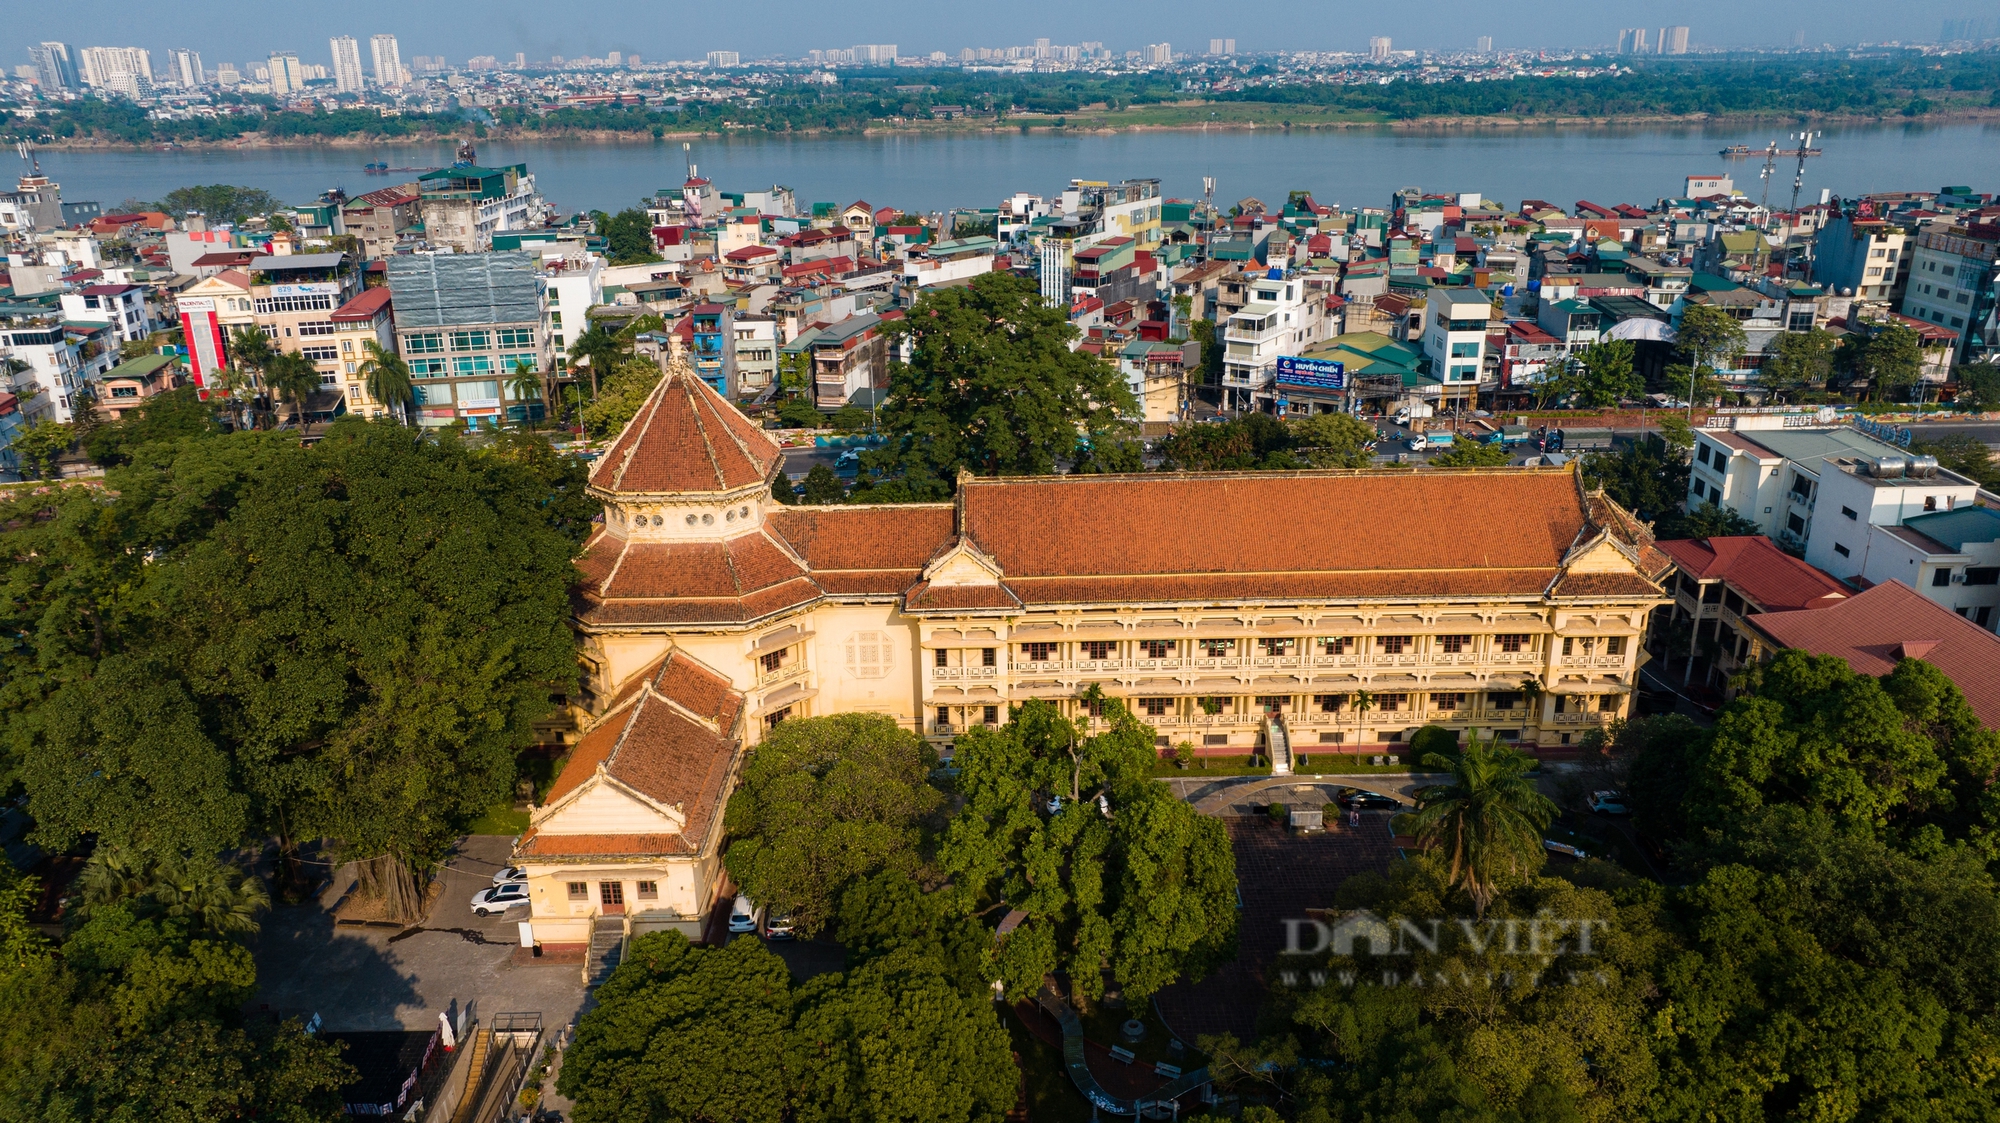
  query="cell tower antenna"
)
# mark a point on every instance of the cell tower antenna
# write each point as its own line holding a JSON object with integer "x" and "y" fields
{"x": 1805, "y": 149}
{"x": 1770, "y": 166}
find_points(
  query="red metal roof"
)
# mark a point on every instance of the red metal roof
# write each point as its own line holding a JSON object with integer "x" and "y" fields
{"x": 364, "y": 307}
{"x": 1876, "y": 629}
{"x": 1772, "y": 579}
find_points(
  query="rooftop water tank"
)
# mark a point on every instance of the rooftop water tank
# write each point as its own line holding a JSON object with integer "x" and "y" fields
{"x": 1923, "y": 467}
{"x": 1886, "y": 467}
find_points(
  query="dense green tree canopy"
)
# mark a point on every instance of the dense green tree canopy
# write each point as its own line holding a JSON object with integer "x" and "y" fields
{"x": 682, "y": 1032}
{"x": 139, "y": 1018}
{"x": 242, "y": 636}
{"x": 1260, "y": 441}
{"x": 824, "y": 801}
{"x": 992, "y": 387}
{"x": 1121, "y": 877}
{"x": 1473, "y": 454}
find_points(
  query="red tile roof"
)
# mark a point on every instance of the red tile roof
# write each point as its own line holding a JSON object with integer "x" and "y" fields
{"x": 686, "y": 438}
{"x": 1771, "y": 579}
{"x": 1273, "y": 522}
{"x": 1119, "y": 539}
{"x": 672, "y": 738}
{"x": 1875, "y": 629}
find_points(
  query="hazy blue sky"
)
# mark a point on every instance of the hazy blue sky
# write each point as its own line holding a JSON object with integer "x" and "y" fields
{"x": 238, "y": 30}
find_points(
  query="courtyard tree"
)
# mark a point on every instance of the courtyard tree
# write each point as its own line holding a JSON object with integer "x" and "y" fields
{"x": 824, "y": 801}
{"x": 1486, "y": 821}
{"x": 1115, "y": 875}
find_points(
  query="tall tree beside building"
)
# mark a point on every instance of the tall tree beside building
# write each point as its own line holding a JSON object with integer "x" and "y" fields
{"x": 387, "y": 378}
{"x": 1798, "y": 363}
{"x": 630, "y": 234}
{"x": 992, "y": 388}
{"x": 251, "y": 639}
{"x": 1893, "y": 361}
{"x": 1602, "y": 375}
{"x": 1114, "y": 873}
{"x": 1709, "y": 337}
{"x": 824, "y": 801}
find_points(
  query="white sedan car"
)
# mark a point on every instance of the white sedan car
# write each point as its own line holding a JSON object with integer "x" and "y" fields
{"x": 510, "y": 875}
{"x": 500, "y": 898}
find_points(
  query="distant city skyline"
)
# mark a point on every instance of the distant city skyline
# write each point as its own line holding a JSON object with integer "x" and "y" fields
{"x": 235, "y": 30}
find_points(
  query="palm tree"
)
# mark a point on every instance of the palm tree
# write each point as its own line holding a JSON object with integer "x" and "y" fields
{"x": 525, "y": 385}
{"x": 387, "y": 378}
{"x": 1488, "y": 820}
{"x": 249, "y": 353}
{"x": 293, "y": 377}
{"x": 215, "y": 896}
{"x": 601, "y": 348}
{"x": 1363, "y": 702}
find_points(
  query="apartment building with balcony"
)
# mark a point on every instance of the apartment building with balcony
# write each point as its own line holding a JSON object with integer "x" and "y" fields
{"x": 756, "y": 337}
{"x": 1866, "y": 258}
{"x": 1769, "y": 468}
{"x": 712, "y": 347}
{"x": 121, "y": 307}
{"x": 1456, "y": 321}
{"x": 1214, "y": 605}
{"x": 848, "y": 357}
{"x": 368, "y": 318}
{"x": 56, "y": 361}
{"x": 1286, "y": 315}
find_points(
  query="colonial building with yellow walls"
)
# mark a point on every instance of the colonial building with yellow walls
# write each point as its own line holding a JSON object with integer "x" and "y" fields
{"x": 1238, "y": 612}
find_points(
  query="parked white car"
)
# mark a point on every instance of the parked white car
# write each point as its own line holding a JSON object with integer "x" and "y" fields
{"x": 779, "y": 926}
{"x": 744, "y": 916}
{"x": 500, "y": 898}
{"x": 510, "y": 875}
{"x": 1607, "y": 803}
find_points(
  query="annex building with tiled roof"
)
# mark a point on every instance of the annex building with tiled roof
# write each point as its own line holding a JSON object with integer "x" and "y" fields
{"x": 1216, "y": 604}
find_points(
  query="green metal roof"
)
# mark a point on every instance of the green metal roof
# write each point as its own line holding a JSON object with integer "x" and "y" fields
{"x": 1956, "y": 528}
{"x": 145, "y": 366}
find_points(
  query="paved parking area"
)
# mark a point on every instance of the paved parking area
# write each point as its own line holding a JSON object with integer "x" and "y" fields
{"x": 1280, "y": 875}
{"x": 382, "y": 978}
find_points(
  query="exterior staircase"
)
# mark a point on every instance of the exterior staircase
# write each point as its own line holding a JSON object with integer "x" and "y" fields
{"x": 607, "y": 947}
{"x": 475, "y": 1067}
{"x": 1279, "y": 740}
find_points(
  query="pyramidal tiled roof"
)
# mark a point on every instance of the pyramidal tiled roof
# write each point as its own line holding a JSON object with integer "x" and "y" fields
{"x": 685, "y": 438}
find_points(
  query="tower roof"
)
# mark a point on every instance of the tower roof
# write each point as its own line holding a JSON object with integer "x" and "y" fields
{"x": 685, "y": 438}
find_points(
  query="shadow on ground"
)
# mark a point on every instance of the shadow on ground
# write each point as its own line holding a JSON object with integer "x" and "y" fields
{"x": 383, "y": 978}
{"x": 1280, "y": 875}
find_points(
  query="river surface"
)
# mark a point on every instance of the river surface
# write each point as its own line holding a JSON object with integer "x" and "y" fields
{"x": 1351, "y": 167}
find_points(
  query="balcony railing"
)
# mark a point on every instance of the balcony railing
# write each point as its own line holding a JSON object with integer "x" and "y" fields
{"x": 965, "y": 672}
{"x": 1584, "y": 719}
{"x": 1289, "y": 662}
